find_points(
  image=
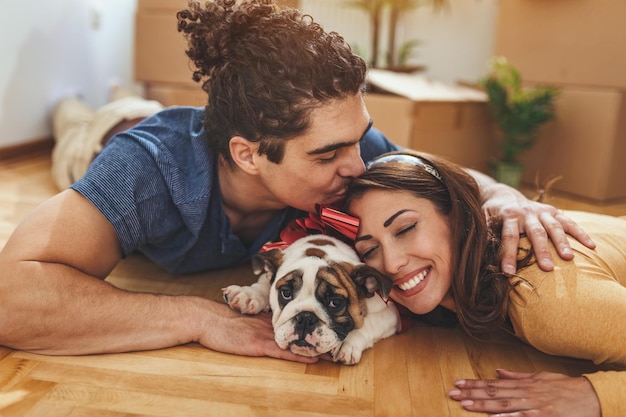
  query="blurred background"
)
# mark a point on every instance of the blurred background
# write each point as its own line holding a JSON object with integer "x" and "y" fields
{"x": 54, "y": 48}
{"x": 425, "y": 93}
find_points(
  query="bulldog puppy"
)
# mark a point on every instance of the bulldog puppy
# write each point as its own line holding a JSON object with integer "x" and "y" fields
{"x": 322, "y": 297}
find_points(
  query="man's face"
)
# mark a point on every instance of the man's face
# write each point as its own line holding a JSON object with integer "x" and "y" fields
{"x": 318, "y": 165}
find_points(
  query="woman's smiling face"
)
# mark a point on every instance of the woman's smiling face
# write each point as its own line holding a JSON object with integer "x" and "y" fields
{"x": 405, "y": 237}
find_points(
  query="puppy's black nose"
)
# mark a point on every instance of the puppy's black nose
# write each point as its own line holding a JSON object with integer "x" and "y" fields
{"x": 305, "y": 323}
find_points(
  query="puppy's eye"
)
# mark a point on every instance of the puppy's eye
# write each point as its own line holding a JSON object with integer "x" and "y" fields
{"x": 286, "y": 293}
{"x": 337, "y": 303}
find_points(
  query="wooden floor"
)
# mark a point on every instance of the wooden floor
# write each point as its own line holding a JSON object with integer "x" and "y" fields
{"x": 406, "y": 375}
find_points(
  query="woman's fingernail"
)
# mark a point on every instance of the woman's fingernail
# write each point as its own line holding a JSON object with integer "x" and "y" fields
{"x": 547, "y": 264}
{"x": 454, "y": 392}
{"x": 460, "y": 383}
{"x": 466, "y": 403}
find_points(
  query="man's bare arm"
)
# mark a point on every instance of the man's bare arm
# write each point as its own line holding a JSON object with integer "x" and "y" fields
{"x": 54, "y": 300}
{"x": 541, "y": 223}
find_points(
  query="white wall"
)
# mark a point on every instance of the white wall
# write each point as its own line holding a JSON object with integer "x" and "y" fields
{"x": 456, "y": 43}
{"x": 51, "y": 48}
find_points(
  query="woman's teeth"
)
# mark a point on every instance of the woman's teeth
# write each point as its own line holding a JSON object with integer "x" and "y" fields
{"x": 412, "y": 283}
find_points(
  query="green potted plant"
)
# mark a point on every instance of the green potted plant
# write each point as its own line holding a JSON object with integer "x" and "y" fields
{"x": 518, "y": 113}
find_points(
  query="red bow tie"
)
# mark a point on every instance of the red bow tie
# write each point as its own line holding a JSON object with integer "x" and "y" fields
{"x": 327, "y": 220}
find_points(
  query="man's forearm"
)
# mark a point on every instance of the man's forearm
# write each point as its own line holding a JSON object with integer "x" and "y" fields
{"x": 494, "y": 192}
{"x": 483, "y": 180}
{"x": 53, "y": 309}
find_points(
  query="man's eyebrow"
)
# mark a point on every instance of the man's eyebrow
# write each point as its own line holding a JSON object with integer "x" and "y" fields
{"x": 334, "y": 146}
{"x": 393, "y": 217}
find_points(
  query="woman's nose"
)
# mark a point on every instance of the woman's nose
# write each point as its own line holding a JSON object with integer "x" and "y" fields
{"x": 393, "y": 261}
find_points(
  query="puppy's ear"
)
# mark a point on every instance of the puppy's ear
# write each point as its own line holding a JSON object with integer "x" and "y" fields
{"x": 267, "y": 263}
{"x": 369, "y": 280}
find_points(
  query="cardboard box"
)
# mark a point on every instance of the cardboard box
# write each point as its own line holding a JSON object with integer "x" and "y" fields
{"x": 459, "y": 131}
{"x": 159, "y": 48}
{"x": 445, "y": 119}
{"x": 586, "y": 144}
{"x": 392, "y": 115}
{"x": 179, "y": 95}
{"x": 578, "y": 42}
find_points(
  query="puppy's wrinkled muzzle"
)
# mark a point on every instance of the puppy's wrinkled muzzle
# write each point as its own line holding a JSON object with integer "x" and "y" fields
{"x": 302, "y": 343}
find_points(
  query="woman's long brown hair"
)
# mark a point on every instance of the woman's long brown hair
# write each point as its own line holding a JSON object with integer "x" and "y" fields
{"x": 479, "y": 287}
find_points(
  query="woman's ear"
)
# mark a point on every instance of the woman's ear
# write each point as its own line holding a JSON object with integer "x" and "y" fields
{"x": 243, "y": 152}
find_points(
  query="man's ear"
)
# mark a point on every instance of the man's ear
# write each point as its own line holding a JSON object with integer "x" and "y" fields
{"x": 242, "y": 152}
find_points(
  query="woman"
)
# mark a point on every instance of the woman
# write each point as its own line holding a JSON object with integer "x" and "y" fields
{"x": 423, "y": 225}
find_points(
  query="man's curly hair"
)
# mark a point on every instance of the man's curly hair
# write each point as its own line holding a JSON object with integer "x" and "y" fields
{"x": 264, "y": 69}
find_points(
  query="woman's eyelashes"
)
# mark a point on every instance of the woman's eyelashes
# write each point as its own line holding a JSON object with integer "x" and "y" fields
{"x": 406, "y": 229}
{"x": 367, "y": 252}
{"x": 366, "y": 247}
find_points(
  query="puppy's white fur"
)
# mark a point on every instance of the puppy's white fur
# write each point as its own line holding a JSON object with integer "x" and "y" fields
{"x": 322, "y": 299}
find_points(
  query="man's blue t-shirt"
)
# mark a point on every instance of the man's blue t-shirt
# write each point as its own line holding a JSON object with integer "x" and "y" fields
{"x": 157, "y": 185}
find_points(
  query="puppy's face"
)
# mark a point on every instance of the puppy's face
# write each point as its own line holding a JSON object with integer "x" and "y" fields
{"x": 317, "y": 294}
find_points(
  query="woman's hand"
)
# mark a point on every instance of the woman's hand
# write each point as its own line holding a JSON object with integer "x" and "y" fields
{"x": 517, "y": 394}
{"x": 540, "y": 222}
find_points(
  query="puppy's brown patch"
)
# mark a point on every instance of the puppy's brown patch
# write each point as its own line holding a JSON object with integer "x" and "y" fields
{"x": 322, "y": 242}
{"x": 338, "y": 277}
{"x": 292, "y": 281}
{"x": 316, "y": 252}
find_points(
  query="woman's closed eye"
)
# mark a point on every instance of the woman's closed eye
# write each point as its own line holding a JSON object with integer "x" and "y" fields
{"x": 367, "y": 252}
{"x": 406, "y": 230}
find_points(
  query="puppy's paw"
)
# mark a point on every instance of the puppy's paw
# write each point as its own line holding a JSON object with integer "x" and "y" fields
{"x": 247, "y": 300}
{"x": 348, "y": 353}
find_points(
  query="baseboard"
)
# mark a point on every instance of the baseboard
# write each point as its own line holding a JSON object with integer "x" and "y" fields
{"x": 24, "y": 150}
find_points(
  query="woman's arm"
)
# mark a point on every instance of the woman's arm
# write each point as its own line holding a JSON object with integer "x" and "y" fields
{"x": 578, "y": 310}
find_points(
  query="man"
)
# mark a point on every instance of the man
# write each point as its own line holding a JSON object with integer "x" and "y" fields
{"x": 285, "y": 128}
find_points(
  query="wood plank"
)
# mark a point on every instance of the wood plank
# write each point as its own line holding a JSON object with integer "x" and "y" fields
{"x": 454, "y": 364}
{"x": 23, "y": 396}
{"x": 427, "y": 388}
{"x": 13, "y": 371}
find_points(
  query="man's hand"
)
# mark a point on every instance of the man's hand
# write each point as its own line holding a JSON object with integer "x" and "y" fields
{"x": 516, "y": 394}
{"x": 245, "y": 335}
{"x": 540, "y": 222}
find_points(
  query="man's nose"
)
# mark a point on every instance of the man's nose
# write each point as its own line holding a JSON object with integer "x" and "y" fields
{"x": 353, "y": 165}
